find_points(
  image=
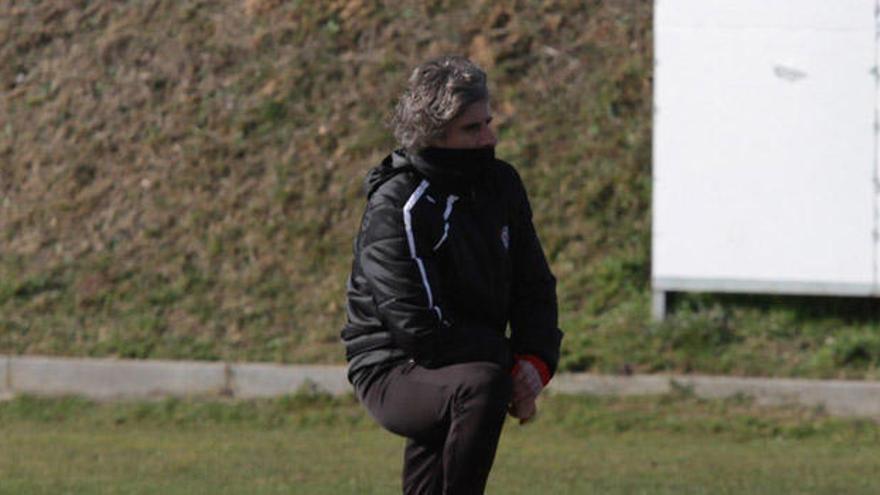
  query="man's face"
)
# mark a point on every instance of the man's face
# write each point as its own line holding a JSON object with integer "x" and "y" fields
{"x": 470, "y": 129}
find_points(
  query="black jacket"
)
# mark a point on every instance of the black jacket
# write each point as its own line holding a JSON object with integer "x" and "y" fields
{"x": 443, "y": 261}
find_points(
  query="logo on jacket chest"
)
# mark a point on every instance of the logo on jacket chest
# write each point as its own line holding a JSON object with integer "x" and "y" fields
{"x": 505, "y": 238}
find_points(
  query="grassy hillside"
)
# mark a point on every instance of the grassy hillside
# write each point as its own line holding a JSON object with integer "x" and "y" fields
{"x": 182, "y": 179}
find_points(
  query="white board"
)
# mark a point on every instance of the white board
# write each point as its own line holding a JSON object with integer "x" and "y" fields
{"x": 765, "y": 146}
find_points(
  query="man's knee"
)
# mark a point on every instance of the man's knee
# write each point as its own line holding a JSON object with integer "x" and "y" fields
{"x": 485, "y": 380}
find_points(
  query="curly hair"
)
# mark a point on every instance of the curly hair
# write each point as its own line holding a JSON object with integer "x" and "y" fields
{"x": 439, "y": 90}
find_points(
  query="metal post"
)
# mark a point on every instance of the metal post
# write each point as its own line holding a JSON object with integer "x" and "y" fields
{"x": 658, "y": 305}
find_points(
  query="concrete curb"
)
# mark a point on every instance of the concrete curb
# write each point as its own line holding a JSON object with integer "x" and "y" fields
{"x": 114, "y": 379}
{"x": 583, "y": 383}
{"x": 250, "y": 381}
{"x": 137, "y": 379}
{"x": 837, "y": 397}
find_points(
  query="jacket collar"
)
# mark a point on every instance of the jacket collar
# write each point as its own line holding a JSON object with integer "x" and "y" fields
{"x": 449, "y": 167}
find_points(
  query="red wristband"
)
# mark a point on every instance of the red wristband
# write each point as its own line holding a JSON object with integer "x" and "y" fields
{"x": 539, "y": 365}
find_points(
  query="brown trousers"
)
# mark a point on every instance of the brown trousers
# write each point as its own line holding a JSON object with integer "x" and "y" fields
{"x": 452, "y": 417}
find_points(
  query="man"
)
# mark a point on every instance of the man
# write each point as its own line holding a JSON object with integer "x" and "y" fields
{"x": 445, "y": 259}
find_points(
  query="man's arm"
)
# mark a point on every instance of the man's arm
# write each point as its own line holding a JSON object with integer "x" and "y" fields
{"x": 534, "y": 317}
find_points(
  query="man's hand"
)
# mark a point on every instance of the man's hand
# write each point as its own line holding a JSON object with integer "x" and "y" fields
{"x": 527, "y": 386}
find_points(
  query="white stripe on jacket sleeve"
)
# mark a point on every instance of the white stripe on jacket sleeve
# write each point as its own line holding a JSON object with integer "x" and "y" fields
{"x": 449, "y": 202}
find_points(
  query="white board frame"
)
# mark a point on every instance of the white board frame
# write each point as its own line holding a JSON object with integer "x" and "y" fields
{"x": 765, "y": 168}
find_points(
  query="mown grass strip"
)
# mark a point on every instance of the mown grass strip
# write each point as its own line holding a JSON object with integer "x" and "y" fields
{"x": 316, "y": 444}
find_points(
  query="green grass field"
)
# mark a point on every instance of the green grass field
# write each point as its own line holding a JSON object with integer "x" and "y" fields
{"x": 317, "y": 445}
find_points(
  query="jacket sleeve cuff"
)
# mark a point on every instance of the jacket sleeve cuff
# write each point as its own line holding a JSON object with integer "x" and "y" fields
{"x": 539, "y": 365}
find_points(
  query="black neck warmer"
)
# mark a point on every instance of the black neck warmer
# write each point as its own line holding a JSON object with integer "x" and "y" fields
{"x": 453, "y": 167}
